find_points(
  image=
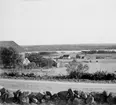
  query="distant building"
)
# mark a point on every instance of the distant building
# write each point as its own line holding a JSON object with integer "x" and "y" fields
{"x": 66, "y": 56}
{"x": 26, "y": 61}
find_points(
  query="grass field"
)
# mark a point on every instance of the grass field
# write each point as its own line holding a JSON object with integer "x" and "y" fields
{"x": 109, "y": 66}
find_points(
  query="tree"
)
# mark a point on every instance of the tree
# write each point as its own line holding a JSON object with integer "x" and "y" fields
{"x": 77, "y": 56}
{"x": 40, "y": 60}
{"x": 75, "y": 66}
{"x": 9, "y": 57}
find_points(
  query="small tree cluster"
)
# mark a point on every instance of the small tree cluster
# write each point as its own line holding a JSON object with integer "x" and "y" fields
{"x": 75, "y": 66}
{"x": 40, "y": 60}
{"x": 9, "y": 57}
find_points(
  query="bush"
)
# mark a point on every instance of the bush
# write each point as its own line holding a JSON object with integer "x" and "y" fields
{"x": 99, "y": 75}
{"x": 12, "y": 74}
{"x": 75, "y": 75}
{"x": 75, "y": 66}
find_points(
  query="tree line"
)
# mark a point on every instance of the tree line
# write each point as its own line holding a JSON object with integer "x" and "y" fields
{"x": 10, "y": 58}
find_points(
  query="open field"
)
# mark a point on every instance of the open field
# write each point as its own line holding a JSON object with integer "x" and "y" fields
{"x": 108, "y": 65}
{"x": 101, "y": 65}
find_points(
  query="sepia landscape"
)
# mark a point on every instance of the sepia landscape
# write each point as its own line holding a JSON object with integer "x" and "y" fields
{"x": 57, "y": 74}
{"x": 57, "y": 52}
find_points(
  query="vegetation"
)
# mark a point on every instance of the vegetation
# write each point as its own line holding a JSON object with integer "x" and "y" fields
{"x": 40, "y": 61}
{"x": 99, "y": 75}
{"x": 77, "y": 67}
{"x": 73, "y": 76}
{"x": 9, "y": 57}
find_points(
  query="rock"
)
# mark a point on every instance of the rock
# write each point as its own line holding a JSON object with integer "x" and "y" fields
{"x": 17, "y": 94}
{"x": 103, "y": 97}
{"x": 70, "y": 95}
{"x": 4, "y": 97}
{"x": 39, "y": 96}
{"x": 63, "y": 95}
{"x": 54, "y": 96}
{"x": 83, "y": 95}
{"x": 24, "y": 100}
{"x": 10, "y": 94}
{"x": 34, "y": 100}
{"x": 111, "y": 99}
{"x": 100, "y": 98}
{"x": 47, "y": 95}
{"x": 70, "y": 92}
{"x": 61, "y": 102}
{"x": 90, "y": 100}
{"x": 43, "y": 100}
{"x": 33, "y": 104}
{"x": 76, "y": 94}
{"x": 78, "y": 101}
{"x": 25, "y": 94}
{"x": 2, "y": 91}
{"x": 97, "y": 97}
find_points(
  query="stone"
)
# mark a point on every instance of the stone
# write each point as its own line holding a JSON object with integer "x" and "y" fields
{"x": 39, "y": 96}
{"x": 63, "y": 95}
{"x": 78, "y": 101}
{"x": 24, "y": 100}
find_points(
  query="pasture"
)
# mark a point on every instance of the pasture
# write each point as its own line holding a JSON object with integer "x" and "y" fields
{"x": 108, "y": 65}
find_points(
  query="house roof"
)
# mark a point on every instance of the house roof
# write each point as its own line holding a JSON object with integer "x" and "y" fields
{"x": 65, "y": 55}
{"x": 12, "y": 44}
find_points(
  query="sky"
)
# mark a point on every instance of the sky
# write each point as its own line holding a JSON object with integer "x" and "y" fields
{"x": 39, "y": 22}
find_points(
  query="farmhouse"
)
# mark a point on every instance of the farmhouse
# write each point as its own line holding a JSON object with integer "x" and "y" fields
{"x": 66, "y": 56}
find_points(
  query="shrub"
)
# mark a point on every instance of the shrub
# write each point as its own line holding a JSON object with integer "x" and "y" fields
{"x": 99, "y": 75}
{"x": 75, "y": 75}
{"x": 75, "y": 66}
{"x": 11, "y": 74}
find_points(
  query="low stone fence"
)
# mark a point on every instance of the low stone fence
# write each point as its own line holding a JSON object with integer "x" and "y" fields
{"x": 68, "y": 97}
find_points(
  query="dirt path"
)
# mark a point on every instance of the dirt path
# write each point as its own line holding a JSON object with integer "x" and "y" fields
{"x": 32, "y": 85}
